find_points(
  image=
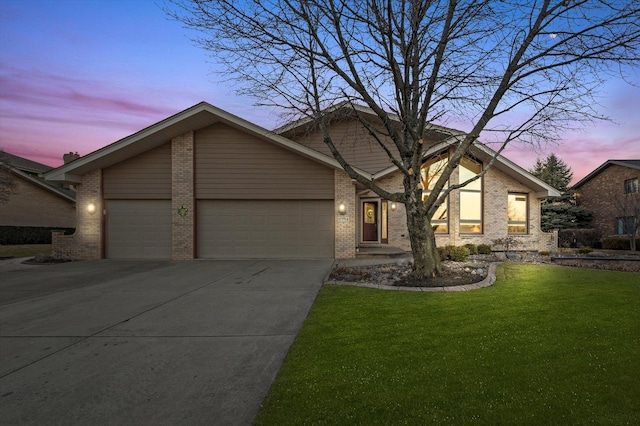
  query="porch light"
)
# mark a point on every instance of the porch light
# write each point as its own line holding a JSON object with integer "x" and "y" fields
{"x": 393, "y": 207}
{"x": 342, "y": 209}
{"x": 91, "y": 208}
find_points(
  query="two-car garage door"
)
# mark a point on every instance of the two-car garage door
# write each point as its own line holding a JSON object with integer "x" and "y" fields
{"x": 231, "y": 229}
{"x": 265, "y": 229}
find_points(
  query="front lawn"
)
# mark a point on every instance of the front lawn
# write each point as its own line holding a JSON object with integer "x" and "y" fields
{"x": 544, "y": 345}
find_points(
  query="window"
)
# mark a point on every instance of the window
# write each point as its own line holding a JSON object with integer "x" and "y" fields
{"x": 631, "y": 186}
{"x": 429, "y": 175}
{"x": 470, "y": 198}
{"x": 625, "y": 225}
{"x": 517, "y": 207}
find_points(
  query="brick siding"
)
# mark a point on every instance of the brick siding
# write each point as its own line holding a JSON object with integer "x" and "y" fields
{"x": 496, "y": 187}
{"x": 182, "y": 226}
{"x": 86, "y": 242}
{"x": 345, "y": 225}
{"x": 599, "y": 194}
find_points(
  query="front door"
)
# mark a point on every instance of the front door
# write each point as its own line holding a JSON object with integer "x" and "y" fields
{"x": 370, "y": 221}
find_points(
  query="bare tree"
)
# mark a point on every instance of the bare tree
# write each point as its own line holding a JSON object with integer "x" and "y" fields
{"x": 7, "y": 180}
{"x": 512, "y": 70}
{"x": 628, "y": 220}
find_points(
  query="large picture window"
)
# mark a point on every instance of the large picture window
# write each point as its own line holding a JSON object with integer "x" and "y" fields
{"x": 429, "y": 175}
{"x": 470, "y": 198}
{"x": 517, "y": 207}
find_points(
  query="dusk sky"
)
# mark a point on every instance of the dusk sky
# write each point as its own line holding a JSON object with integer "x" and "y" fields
{"x": 76, "y": 75}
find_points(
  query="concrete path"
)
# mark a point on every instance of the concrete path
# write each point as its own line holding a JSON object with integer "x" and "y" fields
{"x": 144, "y": 342}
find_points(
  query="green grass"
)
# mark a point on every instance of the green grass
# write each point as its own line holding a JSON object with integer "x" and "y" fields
{"x": 543, "y": 345}
{"x": 25, "y": 250}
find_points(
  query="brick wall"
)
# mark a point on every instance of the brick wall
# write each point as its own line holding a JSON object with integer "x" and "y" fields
{"x": 86, "y": 242}
{"x": 345, "y": 225}
{"x": 599, "y": 195}
{"x": 497, "y": 186}
{"x": 32, "y": 205}
{"x": 182, "y": 226}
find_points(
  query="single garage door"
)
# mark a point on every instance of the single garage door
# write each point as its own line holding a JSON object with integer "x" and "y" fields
{"x": 236, "y": 229}
{"x": 138, "y": 229}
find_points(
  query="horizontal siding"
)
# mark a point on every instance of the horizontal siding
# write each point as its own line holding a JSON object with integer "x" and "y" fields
{"x": 352, "y": 141}
{"x": 231, "y": 164}
{"x": 145, "y": 176}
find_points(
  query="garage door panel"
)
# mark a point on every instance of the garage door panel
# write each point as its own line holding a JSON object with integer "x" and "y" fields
{"x": 138, "y": 229}
{"x": 265, "y": 229}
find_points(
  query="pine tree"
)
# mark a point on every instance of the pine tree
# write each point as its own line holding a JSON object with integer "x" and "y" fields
{"x": 560, "y": 212}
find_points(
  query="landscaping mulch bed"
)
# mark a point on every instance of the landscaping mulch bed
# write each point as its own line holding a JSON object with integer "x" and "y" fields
{"x": 43, "y": 259}
{"x": 399, "y": 274}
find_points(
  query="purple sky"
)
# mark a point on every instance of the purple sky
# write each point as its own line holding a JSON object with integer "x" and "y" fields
{"x": 76, "y": 75}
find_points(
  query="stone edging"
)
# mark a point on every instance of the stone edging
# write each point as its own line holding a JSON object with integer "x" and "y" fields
{"x": 486, "y": 282}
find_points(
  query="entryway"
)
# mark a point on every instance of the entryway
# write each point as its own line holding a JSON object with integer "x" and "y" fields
{"x": 374, "y": 221}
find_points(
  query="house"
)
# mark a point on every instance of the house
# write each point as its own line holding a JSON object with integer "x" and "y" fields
{"x": 36, "y": 203}
{"x": 607, "y": 192}
{"x": 207, "y": 184}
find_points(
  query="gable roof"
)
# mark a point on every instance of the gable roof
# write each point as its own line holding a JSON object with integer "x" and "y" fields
{"x": 506, "y": 166}
{"x": 480, "y": 150}
{"x": 26, "y": 165}
{"x": 204, "y": 114}
{"x": 30, "y": 171}
{"x": 194, "y": 118}
{"x": 632, "y": 164}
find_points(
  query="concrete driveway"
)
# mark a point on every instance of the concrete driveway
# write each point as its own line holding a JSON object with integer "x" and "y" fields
{"x": 148, "y": 342}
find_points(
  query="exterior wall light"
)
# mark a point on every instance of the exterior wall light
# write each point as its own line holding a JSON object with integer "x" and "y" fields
{"x": 393, "y": 207}
{"x": 342, "y": 209}
{"x": 91, "y": 208}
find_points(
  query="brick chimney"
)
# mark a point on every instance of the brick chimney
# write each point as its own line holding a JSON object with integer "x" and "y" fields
{"x": 70, "y": 157}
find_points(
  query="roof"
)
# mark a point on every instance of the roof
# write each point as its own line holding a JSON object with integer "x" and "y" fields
{"x": 508, "y": 167}
{"x": 204, "y": 114}
{"x": 26, "y": 165}
{"x": 485, "y": 153}
{"x": 632, "y": 164}
{"x": 194, "y": 118}
{"x": 30, "y": 170}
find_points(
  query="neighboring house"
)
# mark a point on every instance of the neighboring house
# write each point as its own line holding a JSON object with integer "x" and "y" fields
{"x": 604, "y": 192}
{"x": 36, "y": 203}
{"x": 207, "y": 184}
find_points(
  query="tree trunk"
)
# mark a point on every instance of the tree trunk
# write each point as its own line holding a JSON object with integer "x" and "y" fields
{"x": 426, "y": 260}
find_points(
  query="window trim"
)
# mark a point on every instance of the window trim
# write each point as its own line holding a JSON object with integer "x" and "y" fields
{"x": 631, "y": 186}
{"x": 426, "y": 192}
{"x": 519, "y": 222}
{"x": 472, "y": 191}
{"x": 619, "y": 224}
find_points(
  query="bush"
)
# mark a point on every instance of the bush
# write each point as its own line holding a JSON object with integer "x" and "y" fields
{"x": 484, "y": 249}
{"x": 585, "y": 250}
{"x": 618, "y": 243}
{"x": 444, "y": 253}
{"x": 458, "y": 254}
{"x": 12, "y": 235}
{"x": 473, "y": 249}
{"x": 508, "y": 243}
{"x": 544, "y": 253}
{"x": 579, "y": 237}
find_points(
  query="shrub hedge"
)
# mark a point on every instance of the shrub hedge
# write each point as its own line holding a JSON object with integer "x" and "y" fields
{"x": 619, "y": 243}
{"x": 12, "y": 235}
{"x": 579, "y": 237}
{"x": 484, "y": 249}
{"x": 458, "y": 253}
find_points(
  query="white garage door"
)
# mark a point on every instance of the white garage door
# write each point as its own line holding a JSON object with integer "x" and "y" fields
{"x": 236, "y": 229}
{"x": 138, "y": 229}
